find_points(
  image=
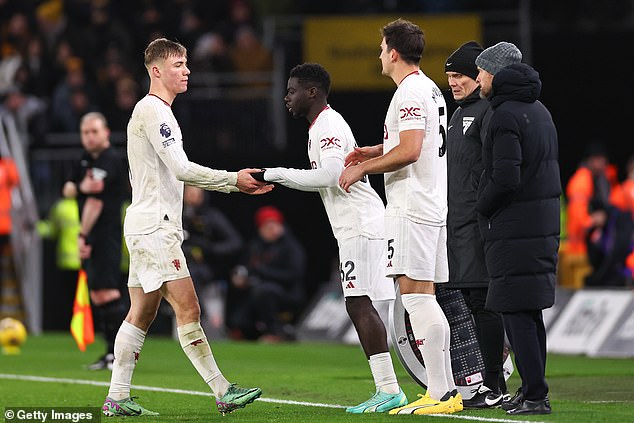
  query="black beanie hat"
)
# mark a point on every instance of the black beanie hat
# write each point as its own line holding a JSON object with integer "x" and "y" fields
{"x": 463, "y": 59}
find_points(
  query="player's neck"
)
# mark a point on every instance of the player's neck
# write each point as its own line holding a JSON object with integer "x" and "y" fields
{"x": 161, "y": 92}
{"x": 402, "y": 71}
{"x": 315, "y": 111}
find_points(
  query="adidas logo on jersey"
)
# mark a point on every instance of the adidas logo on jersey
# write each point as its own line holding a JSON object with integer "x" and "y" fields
{"x": 350, "y": 285}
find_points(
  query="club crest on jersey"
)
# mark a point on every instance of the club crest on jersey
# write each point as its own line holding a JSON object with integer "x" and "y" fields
{"x": 165, "y": 130}
{"x": 329, "y": 143}
{"x": 177, "y": 264}
{"x": 466, "y": 123}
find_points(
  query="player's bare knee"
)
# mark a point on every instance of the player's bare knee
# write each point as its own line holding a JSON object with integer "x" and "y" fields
{"x": 356, "y": 305}
{"x": 187, "y": 314}
{"x": 141, "y": 318}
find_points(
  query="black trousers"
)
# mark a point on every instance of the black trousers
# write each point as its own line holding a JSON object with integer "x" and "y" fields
{"x": 490, "y": 333}
{"x": 527, "y": 335}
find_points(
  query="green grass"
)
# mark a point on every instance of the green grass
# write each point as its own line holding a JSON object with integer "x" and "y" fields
{"x": 582, "y": 389}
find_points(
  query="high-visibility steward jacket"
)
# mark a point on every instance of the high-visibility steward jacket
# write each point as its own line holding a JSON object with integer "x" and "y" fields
{"x": 579, "y": 192}
{"x": 9, "y": 178}
{"x": 63, "y": 224}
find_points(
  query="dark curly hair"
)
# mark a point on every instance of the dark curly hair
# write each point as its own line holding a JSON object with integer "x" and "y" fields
{"x": 312, "y": 74}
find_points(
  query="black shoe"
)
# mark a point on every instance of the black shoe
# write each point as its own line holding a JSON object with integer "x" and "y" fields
{"x": 103, "y": 363}
{"x": 532, "y": 407}
{"x": 515, "y": 401}
{"x": 484, "y": 398}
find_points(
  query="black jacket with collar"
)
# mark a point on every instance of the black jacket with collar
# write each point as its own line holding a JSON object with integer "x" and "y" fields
{"x": 465, "y": 247}
{"x": 518, "y": 198}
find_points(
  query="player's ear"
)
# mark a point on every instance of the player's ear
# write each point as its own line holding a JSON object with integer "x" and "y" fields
{"x": 312, "y": 92}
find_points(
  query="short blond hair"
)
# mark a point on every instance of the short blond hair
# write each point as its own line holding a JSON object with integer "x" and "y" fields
{"x": 162, "y": 48}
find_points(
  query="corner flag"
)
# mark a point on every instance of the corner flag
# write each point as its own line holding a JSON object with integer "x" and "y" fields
{"x": 81, "y": 326}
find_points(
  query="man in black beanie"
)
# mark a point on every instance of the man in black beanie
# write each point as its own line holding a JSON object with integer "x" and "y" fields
{"x": 465, "y": 248}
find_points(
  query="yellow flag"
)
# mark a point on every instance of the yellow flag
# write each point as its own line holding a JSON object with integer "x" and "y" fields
{"x": 81, "y": 325}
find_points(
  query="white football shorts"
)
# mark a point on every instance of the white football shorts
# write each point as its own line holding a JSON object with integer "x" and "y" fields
{"x": 156, "y": 258}
{"x": 416, "y": 250}
{"x": 362, "y": 269}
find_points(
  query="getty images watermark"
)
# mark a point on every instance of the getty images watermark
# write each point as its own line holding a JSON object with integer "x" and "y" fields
{"x": 53, "y": 414}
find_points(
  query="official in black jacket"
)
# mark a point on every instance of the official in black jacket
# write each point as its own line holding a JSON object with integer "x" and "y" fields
{"x": 465, "y": 247}
{"x": 519, "y": 206}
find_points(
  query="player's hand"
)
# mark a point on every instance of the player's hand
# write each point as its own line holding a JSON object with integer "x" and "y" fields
{"x": 249, "y": 185}
{"x": 361, "y": 154}
{"x": 349, "y": 176}
{"x": 259, "y": 176}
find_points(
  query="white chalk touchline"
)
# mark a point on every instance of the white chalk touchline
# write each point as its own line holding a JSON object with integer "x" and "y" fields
{"x": 208, "y": 394}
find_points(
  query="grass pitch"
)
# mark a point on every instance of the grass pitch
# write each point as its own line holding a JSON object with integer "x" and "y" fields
{"x": 302, "y": 382}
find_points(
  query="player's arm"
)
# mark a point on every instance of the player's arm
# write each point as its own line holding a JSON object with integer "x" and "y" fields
{"x": 191, "y": 173}
{"x": 307, "y": 179}
{"x": 361, "y": 154}
{"x": 171, "y": 153}
{"x": 406, "y": 152}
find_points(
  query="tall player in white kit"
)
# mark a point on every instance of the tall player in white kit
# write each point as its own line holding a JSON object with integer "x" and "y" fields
{"x": 413, "y": 159}
{"x": 356, "y": 219}
{"x": 153, "y": 231}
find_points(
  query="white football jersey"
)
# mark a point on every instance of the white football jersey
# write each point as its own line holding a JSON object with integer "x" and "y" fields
{"x": 418, "y": 191}
{"x": 158, "y": 166}
{"x": 360, "y": 212}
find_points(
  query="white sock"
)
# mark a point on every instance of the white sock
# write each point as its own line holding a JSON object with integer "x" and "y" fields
{"x": 383, "y": 373}
{"x": 426, "y": 318}
{"x": 197, "y": 349}
{"x": 127, "y": 347}
{"x": 451, "y": 383}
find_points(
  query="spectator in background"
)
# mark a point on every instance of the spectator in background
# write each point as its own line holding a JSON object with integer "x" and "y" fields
{"x": 114, "y": 79}
{"x": 627, "y": 187}
{"x": 248, "y": 54}
{"x": 105, "y": 31}
{"x": 9, "y": 65}
{"x": 100, "y": 182}
{"x": 269, "y": 281}
{"x": 211, "y": 54}
{"x": 13, "y": 44}
{"x": 62, "y": 225}
{"x": 34, "y": 74}
{"x": 210, "y": 244}
{"x": 60, "y": 55}
{"x": 72, "y": 98}
{"x": 609, "y": 243}
{"x": 126, "y": 95}
{"x": 29, "y": 112}
{"x": 594, "y": 181}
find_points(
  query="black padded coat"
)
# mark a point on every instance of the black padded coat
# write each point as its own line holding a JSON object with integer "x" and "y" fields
{"x": 518, "y": 198}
